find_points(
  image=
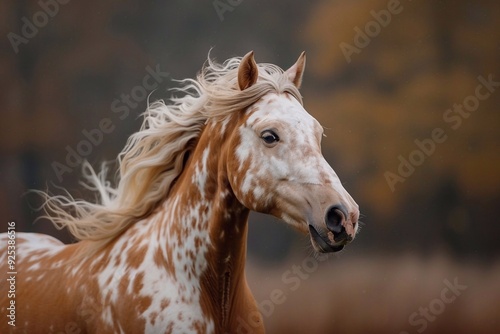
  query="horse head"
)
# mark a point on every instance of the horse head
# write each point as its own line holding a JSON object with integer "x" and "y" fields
{"x": 275, "y": 164}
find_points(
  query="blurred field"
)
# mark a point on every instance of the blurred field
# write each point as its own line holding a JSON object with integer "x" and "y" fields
{"x": 374, "y": 106}
{"x": 377, "y": 295}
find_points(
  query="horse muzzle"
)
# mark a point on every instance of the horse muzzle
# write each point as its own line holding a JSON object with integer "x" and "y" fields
{"x": 340, "y": 229}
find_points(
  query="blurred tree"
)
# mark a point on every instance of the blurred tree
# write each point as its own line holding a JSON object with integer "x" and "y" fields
{"x": 394, "y": 91}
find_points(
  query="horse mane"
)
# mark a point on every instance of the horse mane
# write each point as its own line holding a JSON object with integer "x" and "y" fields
{"x": 153, "y": 158}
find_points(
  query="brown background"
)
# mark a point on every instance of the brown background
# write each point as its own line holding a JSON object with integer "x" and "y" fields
{"x": 440, "y": 224}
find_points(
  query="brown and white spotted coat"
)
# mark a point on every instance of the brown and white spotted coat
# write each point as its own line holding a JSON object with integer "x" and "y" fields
{"x": 182, "y": 269}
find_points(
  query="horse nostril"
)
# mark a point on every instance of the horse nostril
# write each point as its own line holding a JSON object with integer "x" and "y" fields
{"x": 334, "y": 217}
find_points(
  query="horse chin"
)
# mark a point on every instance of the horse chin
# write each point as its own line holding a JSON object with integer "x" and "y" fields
{"x": 320, "y": 244}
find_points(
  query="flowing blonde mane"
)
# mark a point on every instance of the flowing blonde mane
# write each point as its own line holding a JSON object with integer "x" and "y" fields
{"x": 153, "y": 158}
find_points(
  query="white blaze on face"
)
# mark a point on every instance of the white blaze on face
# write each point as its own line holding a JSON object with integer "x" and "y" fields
{"x": 294, "y": 162}
{"x": 295, "y": 158}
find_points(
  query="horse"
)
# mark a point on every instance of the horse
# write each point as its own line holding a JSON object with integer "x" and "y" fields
{"x": 163, "y": 249}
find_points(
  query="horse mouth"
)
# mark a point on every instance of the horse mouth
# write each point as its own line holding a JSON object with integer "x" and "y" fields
{"x": 321, "y": 244}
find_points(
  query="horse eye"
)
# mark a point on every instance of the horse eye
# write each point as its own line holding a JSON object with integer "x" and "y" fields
{"x": 269, "y": 137}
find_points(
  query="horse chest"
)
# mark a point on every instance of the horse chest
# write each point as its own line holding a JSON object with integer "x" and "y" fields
{"x": 158, "y": 298}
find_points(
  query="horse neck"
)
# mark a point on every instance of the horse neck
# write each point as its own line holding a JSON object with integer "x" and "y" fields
{"x": 210, "y": 225}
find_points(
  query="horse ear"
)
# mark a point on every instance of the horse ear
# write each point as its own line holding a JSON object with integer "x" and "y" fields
{"x": 297, "y": 70}
{"x": 247, "y": 71}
